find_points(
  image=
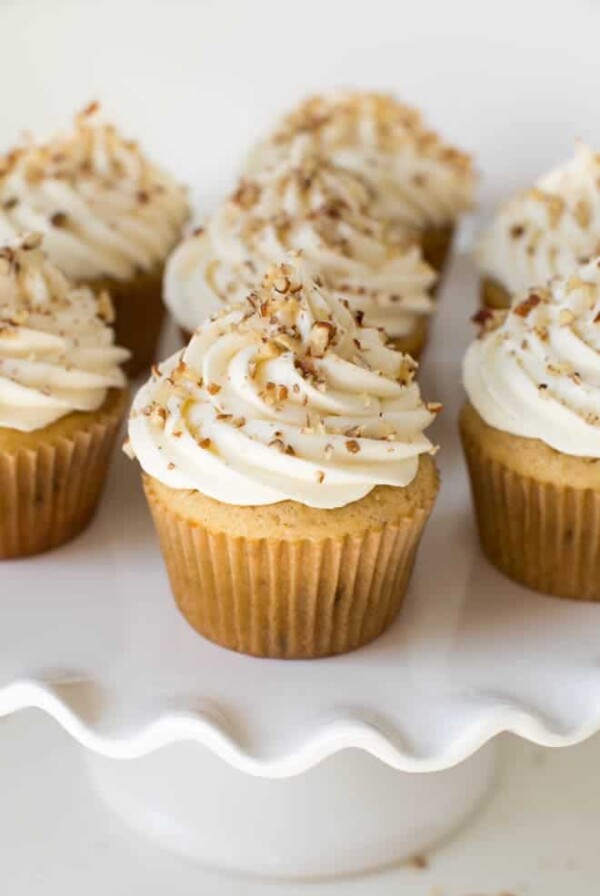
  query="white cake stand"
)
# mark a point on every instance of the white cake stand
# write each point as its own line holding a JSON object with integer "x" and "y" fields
{"x": 90, "y": 634}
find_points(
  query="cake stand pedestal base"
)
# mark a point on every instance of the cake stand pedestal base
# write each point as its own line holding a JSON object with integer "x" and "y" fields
{"x": 347, "y": 815}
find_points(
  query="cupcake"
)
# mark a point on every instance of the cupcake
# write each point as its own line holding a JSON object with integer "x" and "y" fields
{"x": 544, "y": 232}
{"x": 287, "y": 472}
{"x": 418, "y": 180}
{"x": 110, "y": 218}
{"x": 531, "y": 435}
{"x": 309, "y": 204}
{"x": 62, "y": 397}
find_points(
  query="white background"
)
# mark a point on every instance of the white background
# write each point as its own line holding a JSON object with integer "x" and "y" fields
{"x": 516, "y": 83}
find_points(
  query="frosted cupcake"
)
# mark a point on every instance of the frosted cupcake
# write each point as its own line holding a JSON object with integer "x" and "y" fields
{"x": 305, "y": 203}
{"x": 286, "y": 467}
{"x": 531, "y": 434}
{"x": 543, "y": 232}
{"x": 418, "y": 180}
{"x": 110, "y": 218}
{"x": 62, "y": 396}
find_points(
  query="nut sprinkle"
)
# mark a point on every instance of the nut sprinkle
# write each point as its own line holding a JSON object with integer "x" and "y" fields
{"x": 292, "y": 396}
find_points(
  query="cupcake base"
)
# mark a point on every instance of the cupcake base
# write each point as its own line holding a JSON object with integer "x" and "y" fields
{"x": 494, "y": 296}
{"x": 436, "y": 243}
{"x": 51, "y": 479}
{"x": 537, "y": 510}
{"x": 286, "y": 580}
{"x": 139, "y": 315}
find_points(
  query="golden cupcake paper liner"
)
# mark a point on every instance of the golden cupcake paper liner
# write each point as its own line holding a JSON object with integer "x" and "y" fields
{"x": 288, "y": 599}
{"x": 49, "y": 493}
{"x": 542, "y": 535}
{"x": 139, "y": 315}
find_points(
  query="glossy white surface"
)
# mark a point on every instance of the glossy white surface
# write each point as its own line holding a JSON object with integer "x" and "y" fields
{"x": 538, "y": 836}
{"x": 471, "y": 654}
{"x": 468, "y": 657}
{"x": 355, "y": 813}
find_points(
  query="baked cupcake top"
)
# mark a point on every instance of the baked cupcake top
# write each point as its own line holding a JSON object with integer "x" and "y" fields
{"x": 105, "y": 209}
{"x": 56, "y": 345}
{"x": 417, "y": 178}
{"x": 535, "y": 370}
{"x": 282, "y": 397}
{"x": 310, "y": 204}
{"x": 548, "y": 230}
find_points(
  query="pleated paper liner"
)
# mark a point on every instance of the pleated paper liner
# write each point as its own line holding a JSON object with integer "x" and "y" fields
{"x": 139, "y": 315}
{"x": 544, "y": 536}
{"x": 48, "y": 493}
{"x": 287, "y": 598}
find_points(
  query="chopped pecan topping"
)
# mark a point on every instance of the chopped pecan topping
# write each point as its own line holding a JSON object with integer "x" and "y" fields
{"x": 566, "y": 317}
{"x": 246, "y": 194}
{"x": 322, "y": 335}
{"x": 527, "y": 305}
{"x": 106, "y": 311}
{"x": 59, "y": 219}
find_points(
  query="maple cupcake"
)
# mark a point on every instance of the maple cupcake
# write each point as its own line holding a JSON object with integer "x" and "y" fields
{"x": 110, "y": 217}
{"x": 62, "y": 397}
{"x": 531, "y": 435}
{"x": 418, "y": 180}
{"x": 286, "y": 468}
{"x": 543, "y": 232}
{"x": 309, "y": 204}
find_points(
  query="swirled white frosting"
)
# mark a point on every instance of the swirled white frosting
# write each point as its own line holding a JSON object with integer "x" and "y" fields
{"x": 282, "y": 397}
{"x": 548, "y": 230}
{"x": 537, "y": 373}
{"x": 417, "y": 179}
{"x": 308, "y": 204}
{"x": 56, "y": 345}
{"x": 105, "y": 210}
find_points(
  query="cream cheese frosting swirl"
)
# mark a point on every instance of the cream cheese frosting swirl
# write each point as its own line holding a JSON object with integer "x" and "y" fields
{"x": 535, "y": 370}
{"x": 310, "y": 205}
{"x": 283, "y": 397}
{"x": 548, "y": 230}
{"x": 104, "y": 208}
{"x": 56, "y": 345}
{"x": 417, "y": 178}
